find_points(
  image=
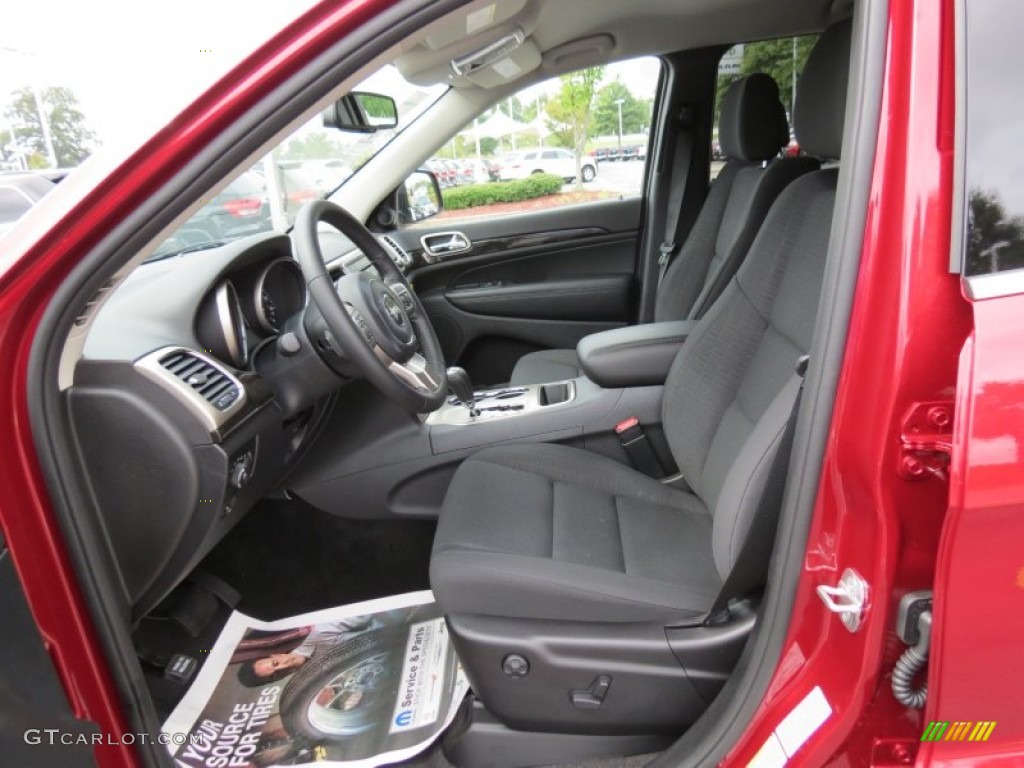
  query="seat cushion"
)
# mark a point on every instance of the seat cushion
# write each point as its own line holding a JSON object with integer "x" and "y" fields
{"x": 552, "y": 532}
{"x": 546, "y": 366}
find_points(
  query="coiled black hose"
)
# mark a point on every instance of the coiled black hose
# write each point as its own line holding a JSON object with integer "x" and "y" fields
{"x": 909, "y": 664}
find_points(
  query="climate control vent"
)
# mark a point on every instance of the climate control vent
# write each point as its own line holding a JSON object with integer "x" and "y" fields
{"x": 402, "y": 259}
{"x": 213, "y": 384}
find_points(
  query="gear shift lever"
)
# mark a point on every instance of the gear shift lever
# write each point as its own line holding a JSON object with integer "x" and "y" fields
{"x": 460, "y": 386}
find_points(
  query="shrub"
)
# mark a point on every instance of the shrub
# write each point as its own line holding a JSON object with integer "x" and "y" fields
{"x": 475, "y": 195}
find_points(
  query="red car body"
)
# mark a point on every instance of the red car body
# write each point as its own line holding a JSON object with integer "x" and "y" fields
{"x": 914, "y": 338}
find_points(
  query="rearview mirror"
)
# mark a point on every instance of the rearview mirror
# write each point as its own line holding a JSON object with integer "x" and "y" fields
{"x": 360, "y": 112}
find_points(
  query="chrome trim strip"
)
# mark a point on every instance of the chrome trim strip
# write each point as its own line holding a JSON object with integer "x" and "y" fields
{"x": 211, "y": 418}
{"x": 228, "y": 311}
{"x": 457, "y": 243}
{"x": 994, "y": 284}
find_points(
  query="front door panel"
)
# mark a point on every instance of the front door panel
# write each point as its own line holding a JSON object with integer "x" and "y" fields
{"x": 528, "y": 281}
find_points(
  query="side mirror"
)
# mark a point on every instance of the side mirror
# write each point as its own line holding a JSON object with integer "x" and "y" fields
{"x": 359, "y": 112}
{"x": 419, "y": 197}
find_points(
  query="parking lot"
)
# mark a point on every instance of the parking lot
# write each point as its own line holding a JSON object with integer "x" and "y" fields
{"x": 626, "y": 177}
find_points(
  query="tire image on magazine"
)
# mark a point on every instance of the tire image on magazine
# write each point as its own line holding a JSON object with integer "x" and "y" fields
{"x": 343, "y": 691}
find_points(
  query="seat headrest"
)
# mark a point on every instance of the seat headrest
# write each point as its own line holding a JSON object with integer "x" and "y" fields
{"x": 753, "y": 122}
{"x": 821, "y": 94}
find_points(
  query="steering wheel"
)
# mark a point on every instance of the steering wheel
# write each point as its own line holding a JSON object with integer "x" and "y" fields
{"x": 377, "y": 321}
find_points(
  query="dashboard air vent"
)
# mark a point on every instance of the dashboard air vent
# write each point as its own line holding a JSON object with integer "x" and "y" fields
{"x": 214, "y": 385}
{"x": 402, "y": 259}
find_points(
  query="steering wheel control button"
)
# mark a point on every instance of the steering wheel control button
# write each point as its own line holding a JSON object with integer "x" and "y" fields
{"x": 404, "y": 296}
{"x": 515, "y": 665}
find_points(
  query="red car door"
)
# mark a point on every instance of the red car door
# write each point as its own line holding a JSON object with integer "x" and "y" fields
{"x": 976, "y": 676}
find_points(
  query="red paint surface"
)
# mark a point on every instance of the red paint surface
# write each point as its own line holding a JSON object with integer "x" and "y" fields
{"x": 976, "y": 668}
{"x": 908, "y": 324}
{"x": 37, "y": 268}
{"x": 909, "y": 321}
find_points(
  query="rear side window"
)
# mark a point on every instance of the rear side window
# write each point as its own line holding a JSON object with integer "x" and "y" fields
{"x": 992, "y": 131}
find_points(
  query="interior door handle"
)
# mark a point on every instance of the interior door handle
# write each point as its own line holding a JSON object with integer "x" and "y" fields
{"x": 438, "y": 246}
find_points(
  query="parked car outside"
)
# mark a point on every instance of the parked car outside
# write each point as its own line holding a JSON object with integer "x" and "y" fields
{"x": 558, "y": 162}
{"x": 241, "y": 208}
{"x": 18, "y": 193}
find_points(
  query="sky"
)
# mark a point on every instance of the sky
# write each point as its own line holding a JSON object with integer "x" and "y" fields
{"x": 134, "y": 65}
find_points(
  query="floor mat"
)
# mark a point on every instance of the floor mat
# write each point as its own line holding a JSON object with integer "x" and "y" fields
{"x": 287, "y": 557}
{"x": 356, "y": 686}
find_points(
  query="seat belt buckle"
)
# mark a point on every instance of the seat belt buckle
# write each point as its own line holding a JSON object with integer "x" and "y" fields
{"x": 666, "y": 250}
{"x": 634, "y": 441}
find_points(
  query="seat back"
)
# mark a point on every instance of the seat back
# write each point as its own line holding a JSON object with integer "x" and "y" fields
{"x": 730, "y": 391}
{"x": 752, "y": 130}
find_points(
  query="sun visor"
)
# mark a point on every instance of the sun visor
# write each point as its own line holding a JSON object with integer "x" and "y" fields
{"x": 479, "y": 17}
{"x": 503, "y": 55}
{"x": 511, "y": 66}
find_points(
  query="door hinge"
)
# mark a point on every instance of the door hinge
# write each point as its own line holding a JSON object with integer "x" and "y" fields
{"x": 926, "y": 440}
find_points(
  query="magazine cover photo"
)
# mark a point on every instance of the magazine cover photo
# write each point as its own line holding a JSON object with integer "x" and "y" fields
{"x": 357, "y": 686}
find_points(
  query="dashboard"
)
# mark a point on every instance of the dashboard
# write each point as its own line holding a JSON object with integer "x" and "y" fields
{"x": 184, "y": 401}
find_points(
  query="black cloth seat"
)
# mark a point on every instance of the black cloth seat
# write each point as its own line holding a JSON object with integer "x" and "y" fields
{"x": 753, "y": 128}
{"x": 541, "y": 532}
{"x": 551, "y": 532}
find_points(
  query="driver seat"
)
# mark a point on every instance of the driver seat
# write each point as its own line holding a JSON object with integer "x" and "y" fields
{"x": 575, "y": 587}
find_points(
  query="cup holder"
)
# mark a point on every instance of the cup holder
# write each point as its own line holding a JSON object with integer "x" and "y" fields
{"x": 553, "y": 394}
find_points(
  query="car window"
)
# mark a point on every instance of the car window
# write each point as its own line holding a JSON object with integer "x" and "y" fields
{"x": 991, "y": 153}
{"x": 783, "y": 59}
{"x": 528, "y": 143}
{"x": 12, "y": 205}
{"x": 307, "y": 165}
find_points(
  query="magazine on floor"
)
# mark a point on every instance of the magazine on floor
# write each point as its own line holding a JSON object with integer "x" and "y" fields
{"x": 361, "y": 685}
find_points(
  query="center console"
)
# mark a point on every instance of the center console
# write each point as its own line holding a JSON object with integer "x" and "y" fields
{"x": 503, "y": 403}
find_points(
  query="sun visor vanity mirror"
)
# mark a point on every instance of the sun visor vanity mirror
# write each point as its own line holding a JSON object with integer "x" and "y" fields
{"x": 489, "y": 54}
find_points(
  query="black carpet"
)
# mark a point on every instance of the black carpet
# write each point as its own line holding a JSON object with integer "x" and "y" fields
{"x": 287, "y": 557}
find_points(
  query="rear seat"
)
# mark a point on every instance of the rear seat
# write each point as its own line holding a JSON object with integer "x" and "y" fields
{"x": 752, "y": 130}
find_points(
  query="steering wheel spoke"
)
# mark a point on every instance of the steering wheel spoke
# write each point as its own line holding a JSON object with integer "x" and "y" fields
{"x": 416, "y": 371}
{"x": 373, "y": 315}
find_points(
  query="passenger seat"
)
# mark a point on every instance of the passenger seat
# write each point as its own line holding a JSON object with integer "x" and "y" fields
{"x": 752, "y": 130}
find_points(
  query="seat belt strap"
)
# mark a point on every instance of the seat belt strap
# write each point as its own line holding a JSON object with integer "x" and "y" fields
{"x": 751, "y": 567}
{"x": 679, "y": 162}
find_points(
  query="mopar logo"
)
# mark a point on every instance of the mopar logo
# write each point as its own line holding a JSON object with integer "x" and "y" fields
{"x": 404, "y": 718}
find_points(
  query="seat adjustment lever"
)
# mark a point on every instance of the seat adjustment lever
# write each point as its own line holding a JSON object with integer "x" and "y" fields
{"x": 592, "y": 697}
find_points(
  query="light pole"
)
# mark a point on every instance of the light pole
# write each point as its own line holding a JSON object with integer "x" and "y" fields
{"x": 619, "y": 103}
{"x": 792, "y": 101}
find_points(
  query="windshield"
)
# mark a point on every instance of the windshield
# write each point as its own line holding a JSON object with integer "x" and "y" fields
{"x": 309, "y": 164}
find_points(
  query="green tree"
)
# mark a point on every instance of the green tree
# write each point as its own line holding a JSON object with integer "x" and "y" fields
{"x": 636, "y": 113}
{"x": 775, "y": 58}
{"x": 313, "y": 146}
{"x": 72, "y": 140}
{"x": 995, "y": 239}
{"x": 570, "y": 112}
